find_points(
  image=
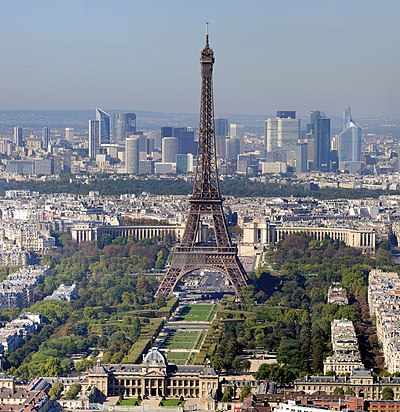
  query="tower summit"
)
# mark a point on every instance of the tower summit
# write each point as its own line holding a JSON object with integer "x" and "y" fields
{"x": 215, "y": 252}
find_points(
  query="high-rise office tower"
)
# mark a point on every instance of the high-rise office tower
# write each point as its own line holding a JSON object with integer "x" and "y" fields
{"x": 18, "y": 136}
{"x": 349, "y": 143}
{"x": 45, "y": 138}
{"x": 69, "y": 134}
{"x": 321, "y": 132}
{"x": 186, "y": 142}
{"x": 130, "y": 124}
{"x": 184, "y": 163}
{"x": 132, "y": 155}
{"x": 282, "y": 132}
{"x": 302, "y": 157}
{"x": 124, "y": 125}
{"x": 94, "y": 138}
{"x": 221, "y": 127}
{"x": 169, "y": 149}
{"x": 236, "y": 131}
{"x": 119, "y": 128}
{"x": 286, "y": 114}
{"x": 167, "y": 131}
{"x": 232, "y": 148}
{"x": 104, "y": 126}
{"x": 220, "y": 146}
{"x": 142, "y": 143}
{"x": 150, "y": 145}
{"x": 156, "y": 137}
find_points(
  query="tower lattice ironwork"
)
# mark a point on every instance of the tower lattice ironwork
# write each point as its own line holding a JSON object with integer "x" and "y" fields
{"x": 195, "y": 253}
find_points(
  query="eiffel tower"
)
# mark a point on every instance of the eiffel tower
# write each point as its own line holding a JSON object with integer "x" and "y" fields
{"x": 193, "y": 253}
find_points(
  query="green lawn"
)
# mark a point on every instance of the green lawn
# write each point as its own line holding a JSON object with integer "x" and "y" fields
{"x": 198, "y": 312}
{"x": 171, "y": 402}
{"x": 129, "y": 402}
{"x": 178, "y": 358}
{"x": 182, "y": 339}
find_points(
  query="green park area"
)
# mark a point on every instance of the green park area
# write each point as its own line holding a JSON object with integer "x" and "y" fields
{"x": 183, "y": 339}
{"x": 198, "y": 313}
{"x": 178, "y": 358}
{"x": 129, "y": 402}
{"x": 179, "y": 345}
{"x": 172, "y": 402}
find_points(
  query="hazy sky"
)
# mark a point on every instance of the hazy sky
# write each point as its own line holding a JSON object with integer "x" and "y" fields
{"x": 144, "y": 55}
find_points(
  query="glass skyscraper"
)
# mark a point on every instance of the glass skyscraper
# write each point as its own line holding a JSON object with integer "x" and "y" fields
{"x": 18, "y": 136}
{"x": 45, "y": 138}
{"x": 104, "y": 126}
{"x": 130, "y": 124}
{"x": 124, "y": 125}
{"x": 349, "y": 145}
{"x": 93, "y": 138}
{"x": 221, "y": 127}
{"x": 320, "y": 129}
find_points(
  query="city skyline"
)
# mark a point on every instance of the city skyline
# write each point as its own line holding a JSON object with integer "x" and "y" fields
{"x": 311, "y": 56}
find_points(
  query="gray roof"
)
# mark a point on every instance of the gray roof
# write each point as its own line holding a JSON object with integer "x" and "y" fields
{"x": 361, "y": 373}
{"x": 154, "y": 358}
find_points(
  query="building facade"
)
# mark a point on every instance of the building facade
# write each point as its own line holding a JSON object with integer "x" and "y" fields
{"x": 155, "y": 377}
{"x": 349, "y": 143}
{"x": 360, "y": 381}
{"x": 94, "y": 138}
{"x": 132, "y": 157}
{"x": 282, "y": 132}
{"x": 362, "y": 238}
{"x": 104, "y": 126}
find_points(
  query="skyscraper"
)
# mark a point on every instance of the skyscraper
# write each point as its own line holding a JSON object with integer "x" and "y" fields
{"x": 132, "y": 155}
{"x": 232, "y": 149}
{"x": 94, "y": 138}
{"x": 104, "y": 126}
{"x": 69, "y": 134}
{"x": 18, "y": 136}
{"x": 118, "y": 128}
{"x": 45, "y": 138}
{"x": 186, "y": 142}
{"x": 169, "y": 149}
{"x": 184, "y": 163}
{"x": 349, "y": 144}
{"x": 221, "y": 127}
{"x": 286, "y": 114}
{"x": 220, "y": 146}
{"x": 320, "y": 131}
{"x": 167, "y": 131}
{"x": 237, "y": 131}
{"x": 282, "y": 132}
{"x": 124, "y": 125}
{"x": 302, "y": 157}
{"x": 130, "y": 124}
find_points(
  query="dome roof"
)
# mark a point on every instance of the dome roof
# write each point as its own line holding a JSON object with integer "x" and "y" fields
{"x": 154, "y": 358}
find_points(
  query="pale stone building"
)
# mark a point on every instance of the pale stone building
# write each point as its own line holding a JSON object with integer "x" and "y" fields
{"x": 155, "y": 377}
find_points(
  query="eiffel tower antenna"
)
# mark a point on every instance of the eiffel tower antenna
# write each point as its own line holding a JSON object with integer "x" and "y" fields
{"x": 194, "y": 252}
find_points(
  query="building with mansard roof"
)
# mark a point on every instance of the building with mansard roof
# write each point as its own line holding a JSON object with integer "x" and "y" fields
{"x": 156, "y": 377}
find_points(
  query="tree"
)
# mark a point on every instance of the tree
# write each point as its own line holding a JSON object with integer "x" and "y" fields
{"x": 247, "y": 296}
{"x": 245, "y": 391}
{"x": 246, "y": 365}
{"x": 73, "y": 391}
{"x": 278, "y": 373}
{"x": 338, "y": 391}
{"x": 55, "y": 390}
{"x": 160, "y": 261}
{"x": 387, "y": 394}
{"x": 350, "y": 392}
{"x": 52, "y": 367}
{"x": 227, "y": 397}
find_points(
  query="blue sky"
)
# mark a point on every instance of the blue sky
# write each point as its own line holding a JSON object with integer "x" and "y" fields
{"x": 144, "y": 55}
